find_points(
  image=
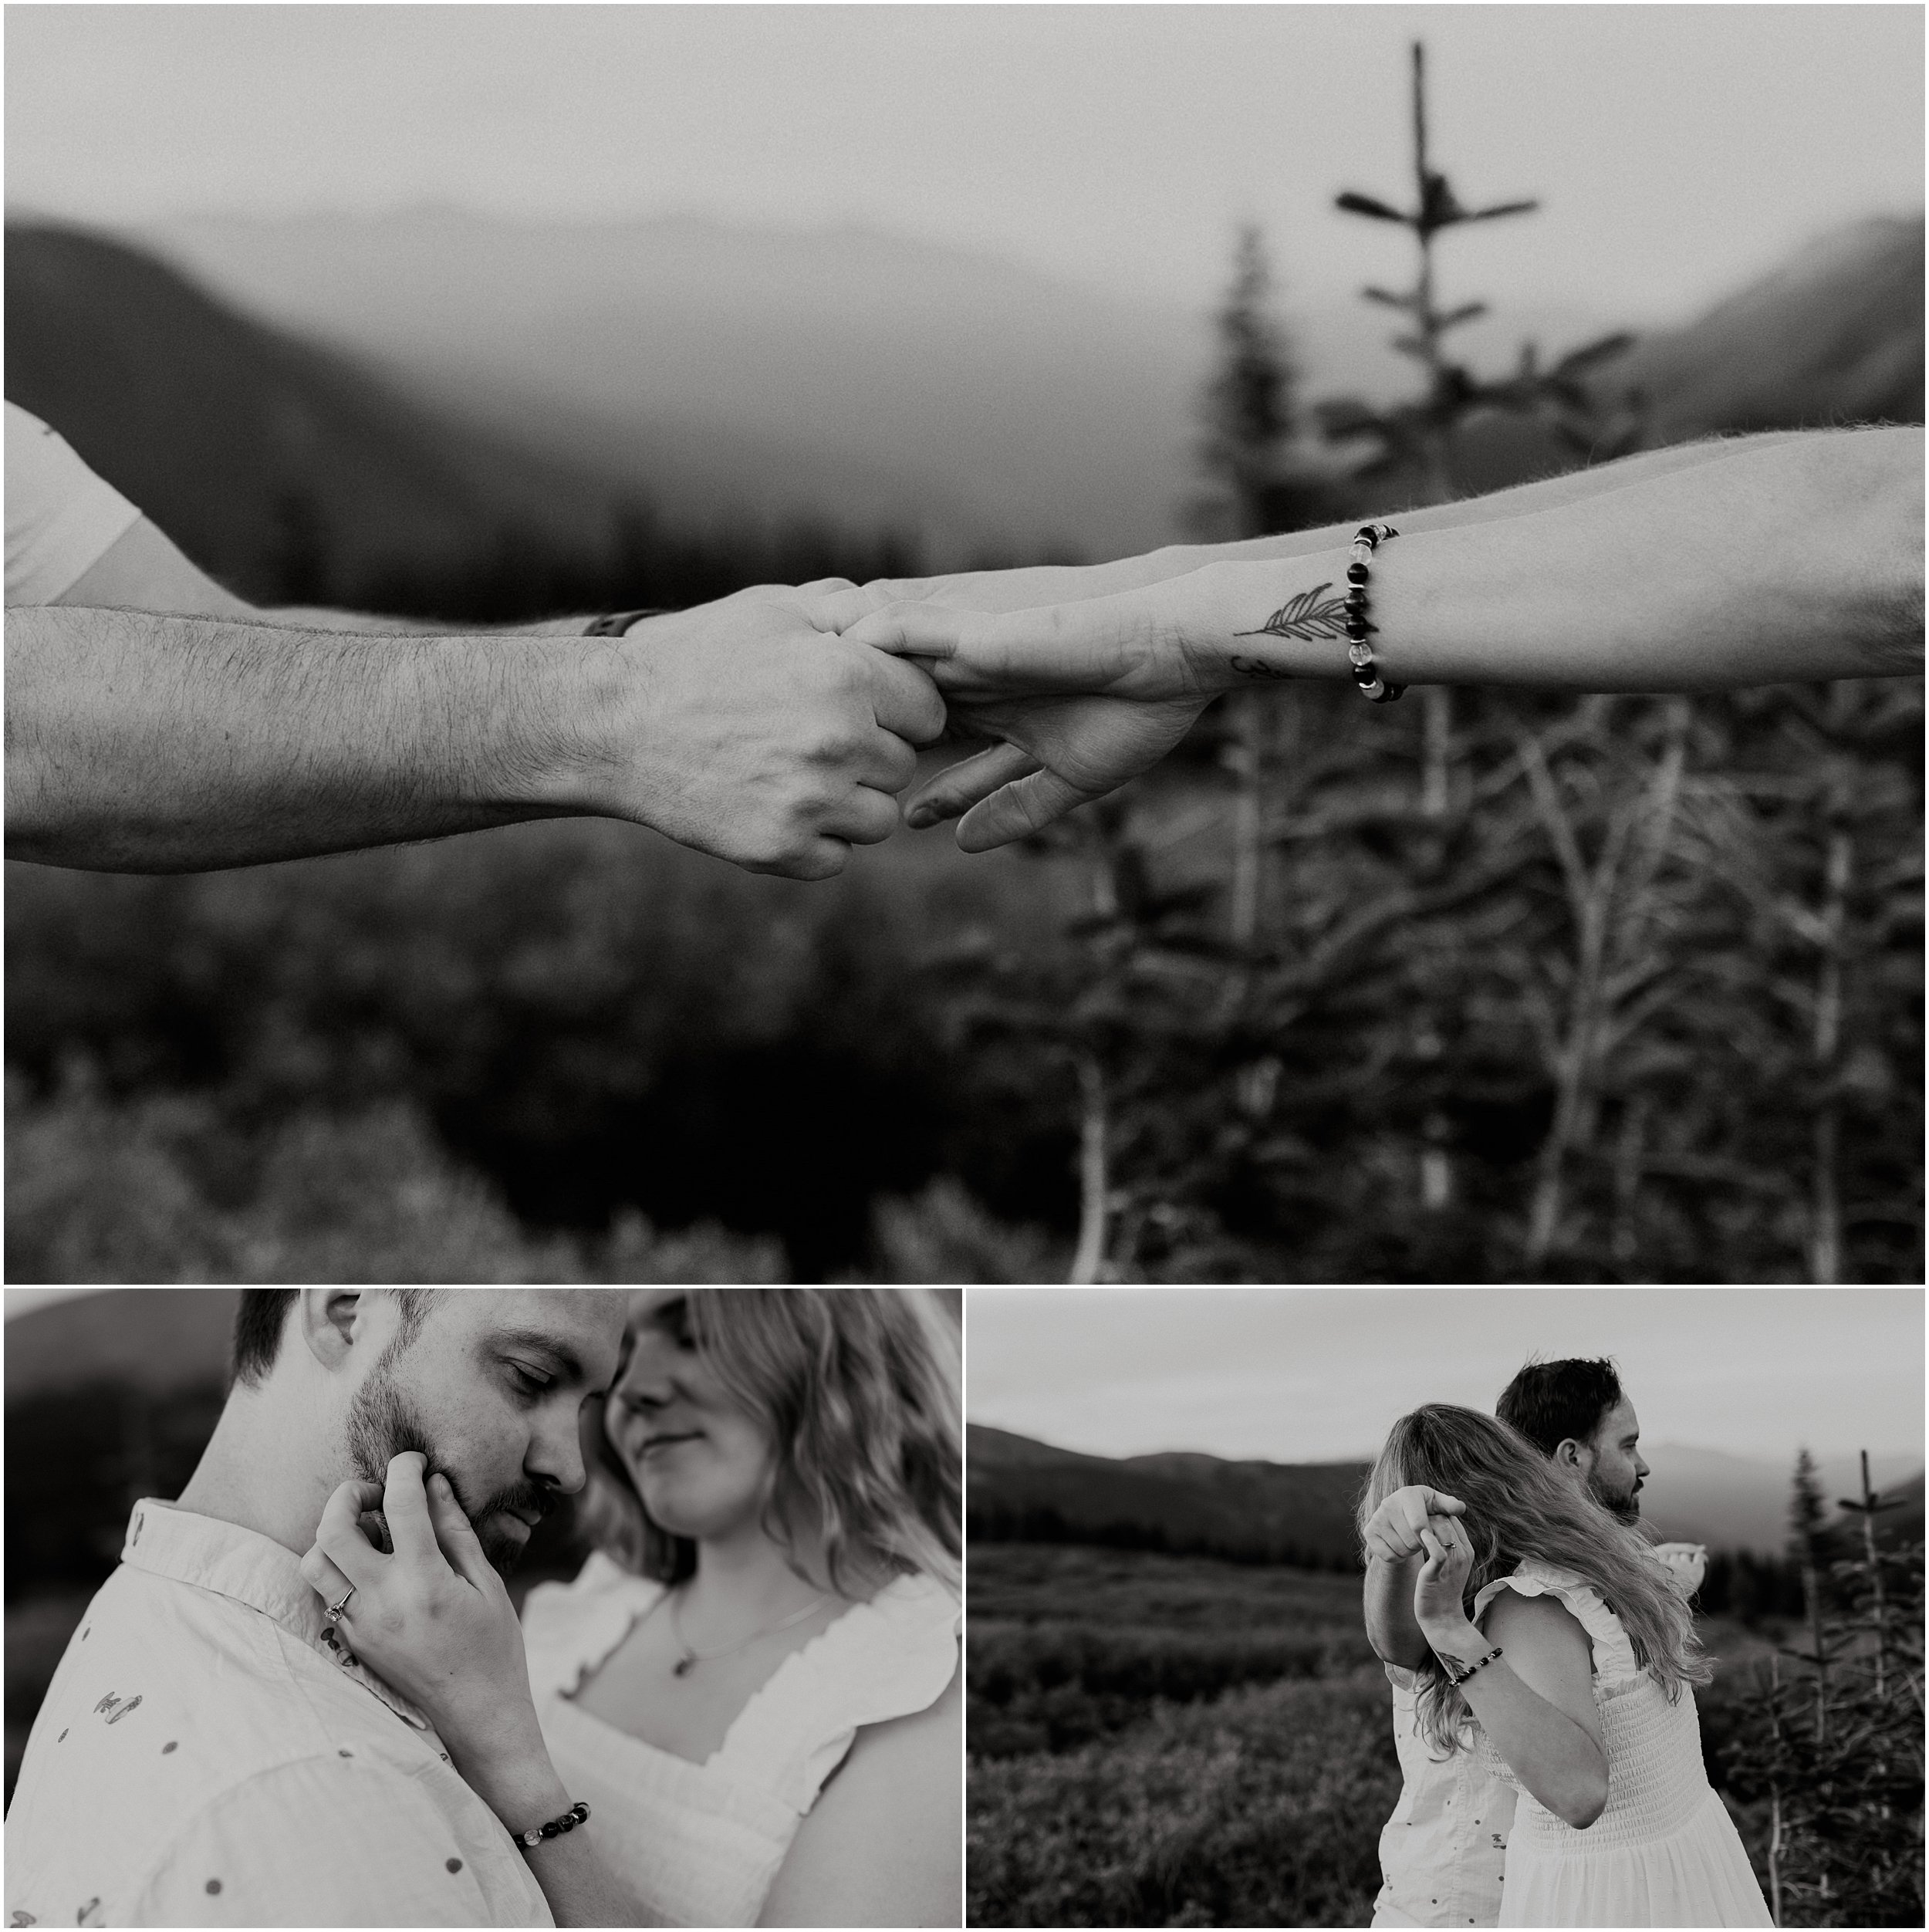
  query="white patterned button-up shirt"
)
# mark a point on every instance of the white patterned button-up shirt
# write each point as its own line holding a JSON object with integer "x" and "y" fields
{"x": 204, "y": 1758}
{"x": 1443, "y": 1853}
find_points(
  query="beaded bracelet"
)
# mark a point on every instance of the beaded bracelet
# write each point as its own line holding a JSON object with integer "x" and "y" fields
{"x": 1366, "y": 539}
{"x": 577, "y": 1814}
{"x": 1460, "y": 1676}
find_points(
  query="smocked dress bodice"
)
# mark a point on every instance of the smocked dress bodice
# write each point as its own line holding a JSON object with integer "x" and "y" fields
{"x": 701, "y": 1843}
{"x": 1663, "y": 1851}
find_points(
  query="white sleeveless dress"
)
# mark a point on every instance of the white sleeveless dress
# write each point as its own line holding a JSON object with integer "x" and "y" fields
{"x": 701, "y": 1844}
{"x": 1664, "y": 1851}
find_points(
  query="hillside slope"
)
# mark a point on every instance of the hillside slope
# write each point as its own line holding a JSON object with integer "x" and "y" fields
{"x": 158, "y": 1341}
{"x": 1834, "y": 335}
{"x": 270, "y": 462}
{"x": 1260, "y": 1511}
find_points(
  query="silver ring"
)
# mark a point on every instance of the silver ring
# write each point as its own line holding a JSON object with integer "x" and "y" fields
{"x": 334, "y": 1613}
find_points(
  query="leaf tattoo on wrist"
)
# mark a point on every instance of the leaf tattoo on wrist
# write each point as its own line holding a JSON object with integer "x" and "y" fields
{"x": 1303, "y": 618}
{"x": 1306, "y": 618}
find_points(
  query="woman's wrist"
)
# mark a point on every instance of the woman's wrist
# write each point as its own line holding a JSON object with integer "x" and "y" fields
{"x": 1279, "y": 622}
{"x": 1460, "y": 1640}
{"x": 505, "y": 1760}
{"x": 524, "y": 1792}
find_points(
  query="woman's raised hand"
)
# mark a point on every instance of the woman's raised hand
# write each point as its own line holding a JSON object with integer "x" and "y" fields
{"x": 1439, "y": 1587}
{"x": 433, "y": 1619}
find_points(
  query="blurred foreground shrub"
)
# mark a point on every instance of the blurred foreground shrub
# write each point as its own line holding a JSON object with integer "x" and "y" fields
{"x": 164, "y": 1190}
{"x": 593, "y": 1024}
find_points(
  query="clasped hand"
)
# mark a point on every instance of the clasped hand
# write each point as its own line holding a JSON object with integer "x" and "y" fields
{"x": 1083, "y": 696}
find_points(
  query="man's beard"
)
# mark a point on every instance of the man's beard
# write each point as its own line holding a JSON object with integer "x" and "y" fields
{"x": 1625, "y": 1509}
{"x": 382, "y": 1423}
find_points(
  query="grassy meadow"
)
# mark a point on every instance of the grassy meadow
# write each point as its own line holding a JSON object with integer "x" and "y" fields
{"x": 1157, "y": 1740}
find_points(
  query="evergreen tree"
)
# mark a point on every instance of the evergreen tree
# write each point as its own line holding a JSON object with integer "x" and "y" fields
{"x": 1249, "y": 413}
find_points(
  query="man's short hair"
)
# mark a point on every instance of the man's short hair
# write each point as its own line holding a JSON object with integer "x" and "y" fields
{"x": 1549, "y": 1401}
{"x": 263, "y": 1312}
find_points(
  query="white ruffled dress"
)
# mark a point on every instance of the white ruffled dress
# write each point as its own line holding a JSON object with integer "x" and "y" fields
{"x": 701, "y": 1844}
{"x": 1664, "y": 1851}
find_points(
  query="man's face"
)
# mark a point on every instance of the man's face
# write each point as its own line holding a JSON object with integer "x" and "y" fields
{"x": 490, "y": 1391}
{"x": 1611, "y": 1463}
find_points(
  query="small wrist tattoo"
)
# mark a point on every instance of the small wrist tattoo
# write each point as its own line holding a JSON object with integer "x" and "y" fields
{"x": 1304, "y": 618}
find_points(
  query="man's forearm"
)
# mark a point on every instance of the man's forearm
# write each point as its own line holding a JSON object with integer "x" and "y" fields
{"x": 1391, "y": 1627}
{"x": 322, "y": 617}
{"x": 142, "y": 744}
{"x": 1063, "y": 583}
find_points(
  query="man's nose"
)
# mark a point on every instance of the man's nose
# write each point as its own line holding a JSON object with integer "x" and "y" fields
{"x": 556, "y": 1458}
{"x": 1640, "y": 1467}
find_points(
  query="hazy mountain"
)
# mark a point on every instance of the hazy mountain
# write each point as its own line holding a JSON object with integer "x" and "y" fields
{"x": 1741, "y": 1502}
{"x": 1016, "y": 1487}
{"x": 251, "y": 447}
{"x": 1834, "y": 335}
{"x": 954, "y": 389}
{"x": 159, "y": 1339}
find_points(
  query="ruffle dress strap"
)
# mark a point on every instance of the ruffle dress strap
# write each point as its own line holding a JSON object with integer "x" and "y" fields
{"x": 885, "y": 1659}
{"x": 569, "y": 1628}
{"x": 1613, "y": 1654}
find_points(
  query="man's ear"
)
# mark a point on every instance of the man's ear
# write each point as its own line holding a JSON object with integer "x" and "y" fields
{"x": 1567, "y": 1453}
{"x": 328, "y": 1318}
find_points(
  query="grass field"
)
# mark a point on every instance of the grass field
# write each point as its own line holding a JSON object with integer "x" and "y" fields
{"x": 1173, "y": 1740}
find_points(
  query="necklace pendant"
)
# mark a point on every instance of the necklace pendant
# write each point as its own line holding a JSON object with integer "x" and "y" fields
{"x": 681, "y": 1666}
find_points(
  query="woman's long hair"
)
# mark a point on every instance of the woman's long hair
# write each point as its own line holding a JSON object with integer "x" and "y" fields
{"x": 859, "y": 1388}
{"x": 1518, "y": 1507}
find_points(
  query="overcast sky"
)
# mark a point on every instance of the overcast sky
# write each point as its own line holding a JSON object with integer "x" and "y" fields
{"x": 1678, "y": 150}
{"x": 1316, "y": 1375}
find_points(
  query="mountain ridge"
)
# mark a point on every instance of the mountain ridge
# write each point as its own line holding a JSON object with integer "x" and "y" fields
{"x": 1019, "y": 1487}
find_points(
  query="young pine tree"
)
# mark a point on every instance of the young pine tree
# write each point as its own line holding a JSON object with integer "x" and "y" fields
{"x": 1248, "y": 428}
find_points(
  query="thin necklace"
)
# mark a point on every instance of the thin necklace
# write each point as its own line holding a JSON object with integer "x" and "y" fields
{"x": 691, "y": 1657}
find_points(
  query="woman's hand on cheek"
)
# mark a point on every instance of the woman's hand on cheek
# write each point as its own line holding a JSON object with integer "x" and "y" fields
{"x": 433, "y": 1619}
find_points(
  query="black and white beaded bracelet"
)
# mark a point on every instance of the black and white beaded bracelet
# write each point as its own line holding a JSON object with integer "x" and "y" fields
{"x": 577, "y": 1814}
{"x": 1366, "y": 539}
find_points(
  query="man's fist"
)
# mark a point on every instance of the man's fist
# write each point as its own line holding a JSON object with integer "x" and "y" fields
{"x": 1393, "y": 1531}
{"x": 749, "y": 728}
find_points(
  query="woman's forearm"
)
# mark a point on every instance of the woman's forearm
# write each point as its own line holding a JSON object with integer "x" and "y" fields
{"x": 1065, "y": 583}
{"x": 1552, "y": 1755}
{"x": 1802, "y": 561}
{"x": 1553, "y": 1758}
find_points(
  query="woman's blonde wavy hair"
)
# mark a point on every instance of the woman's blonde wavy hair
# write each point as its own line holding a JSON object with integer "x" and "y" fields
{"x": 1518, "y": 1507}
{"x": 860, "y": 1390}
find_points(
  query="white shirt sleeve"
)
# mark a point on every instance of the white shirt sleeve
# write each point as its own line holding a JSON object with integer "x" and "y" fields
{"x": 61, "y": 518}
{"x": 319, "y": 1843}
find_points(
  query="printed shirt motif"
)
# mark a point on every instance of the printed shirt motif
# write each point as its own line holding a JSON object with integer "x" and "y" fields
{"x": 1443, "y": 1851}
{"x": 203, "y": 1758}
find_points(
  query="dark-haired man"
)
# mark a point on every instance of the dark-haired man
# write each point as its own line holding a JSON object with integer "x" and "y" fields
{"x": 205, "y": 1755}
{"x": 1443, "y": 1855}
{"x": 1575, "y": 1414}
